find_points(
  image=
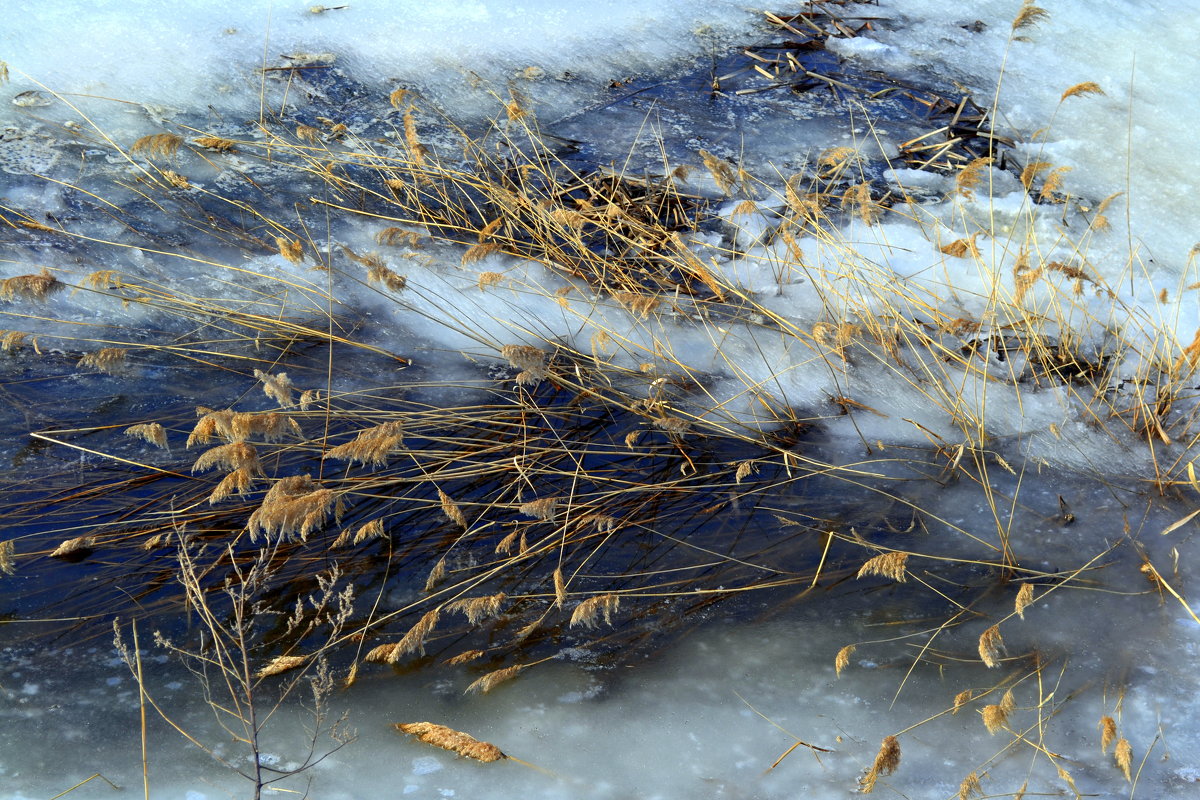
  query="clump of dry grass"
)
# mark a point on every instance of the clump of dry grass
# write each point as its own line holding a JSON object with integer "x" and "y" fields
{"x": 449, "y": 739}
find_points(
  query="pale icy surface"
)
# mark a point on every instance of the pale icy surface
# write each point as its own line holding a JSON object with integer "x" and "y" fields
{"x": 676, "y": 727}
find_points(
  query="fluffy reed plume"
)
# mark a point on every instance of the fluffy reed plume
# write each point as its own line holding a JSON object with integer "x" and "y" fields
{"x": 150, "y": 432}
{"x": 1032, "y": 170}
{"x": 291, "y": 249}
{"x": 237, "y": 482}
{"x": 449, "y": 739}
{"x": 176, "y": 179}
{"x": 378, "y": 272}
{"x": 3, "y": 72}
{"x": 294, "y": 506}
{"x": 477, "y": 609}
{"x": 416, "y": 151}
{"x": 590, "y": 611}
{"x": 962, "y": 248}
{"x": 970, "y": 177}
{"x": 990, "y": 644}
{"x": 970, "y": 787}
{"x": 722, "y": 172}
{"x": 1024, "y": 599}
{"x": 1029, "y": 16}
{"x": 560, "y": 588}
{"x": 371, "y": 446}
{"x": 1053, "y": 183}
{"x": 157, "y": 145}
{"x": 29, "y": 287}
{"x": 12, "y": 340}
{"x": 281, "y": 664}
{"x": 961, "y": 699}
{"x": 412, "y": 642}
{"x": 672, "y": 425}
{"x": 465, "y": 657}
{"x": 436, "y": 575}
{"x": 857, "y": 200}
{"x": 493, "y": 679}
{"x": 1081, "y": 89}
{"x": 233, "y": 456}
{"x": 393, "y": 237}
{"x": 79, "y": 546}
{"x": 216, "y": 143}
{"x": 1123, "y": 754}
{"x": 277, "y": 387}
{"x": 887, "y": 565}
{"x": 1108, "y": 732}
{"x": 842, "y": 659}
{"x": 487, "y": 279}
{"x": 307, "y": 133}
{"x": 109, "y": 360}
{"x": 886, "y": 762}
{"x": 996, "y": 714}
{"x": 235, "y": 426}
{"x": 543, "y": 508}
{"x": 7, "y": 551}
{"x": 451, "y": 510}
{"x": 366, "y": 531}
{"x": 639, "y": 304}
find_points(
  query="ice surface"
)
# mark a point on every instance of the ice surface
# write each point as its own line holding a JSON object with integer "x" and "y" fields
{"x": 682, "y": 726}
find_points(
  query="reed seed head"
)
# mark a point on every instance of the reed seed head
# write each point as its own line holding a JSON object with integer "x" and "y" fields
{"x": 990, "y": 645}
{"x": 449, "y": 739}
{"x": 887, "y": 565}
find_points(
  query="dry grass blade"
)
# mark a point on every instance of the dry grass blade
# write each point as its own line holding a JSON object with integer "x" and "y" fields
{"x": 281, "y": 664}
{"x": 990, "y": 644}
{"x": 493, "y": 679}
{"x": 590, "y": 611}
{"x": 887, "y": 760}
{"x": 887, "y": 565}
{"x": 150, "y": 432}
{"x": 449, "y": 739}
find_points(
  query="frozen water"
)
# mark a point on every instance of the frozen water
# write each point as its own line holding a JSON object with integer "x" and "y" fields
{"x": 708, "y": 718}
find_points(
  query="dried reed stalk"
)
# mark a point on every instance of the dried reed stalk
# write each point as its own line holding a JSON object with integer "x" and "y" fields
{"x": 449, "y": 739}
